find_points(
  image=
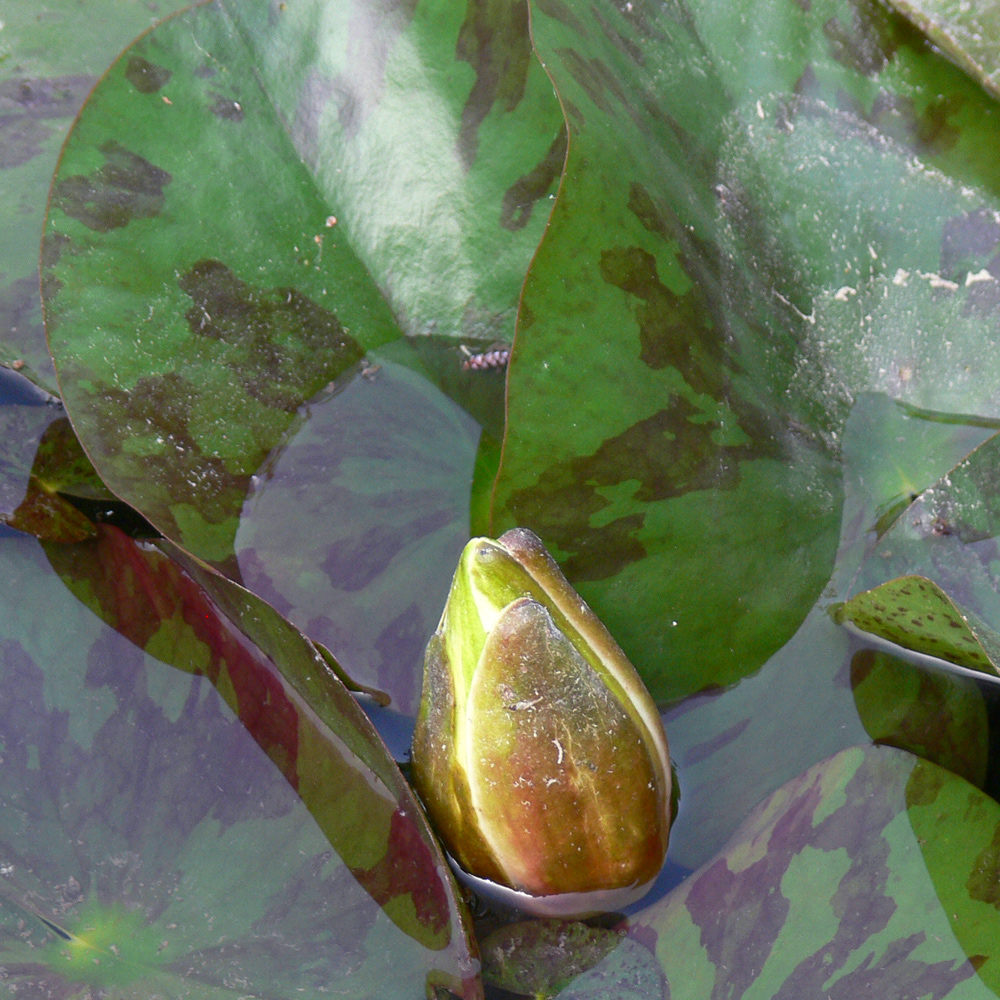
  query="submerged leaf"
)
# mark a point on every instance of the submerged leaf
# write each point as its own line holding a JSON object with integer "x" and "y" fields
{"x": 866, "y": 875}
{"x": 151, "y": 844}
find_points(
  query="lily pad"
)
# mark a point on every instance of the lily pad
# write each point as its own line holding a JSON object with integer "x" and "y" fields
{"x": 279, "y": 687}
{"x": 51, "y": 54}
{"x": 967, "y": 32}
{"x": 866, "y": 875}
{"x": 151, "y": 843}
{"x": 387, "y": 198}
{"x": 915, "y": 613}
{"x": 733, "y": 213}
{"x": 936, "y": 715}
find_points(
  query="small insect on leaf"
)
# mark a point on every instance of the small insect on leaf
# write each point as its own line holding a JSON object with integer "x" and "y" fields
{"x": 493, "y": 358}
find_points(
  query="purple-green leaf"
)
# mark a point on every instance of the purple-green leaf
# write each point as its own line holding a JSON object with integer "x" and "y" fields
{"x": 871, "y": 874}
{"x": 321, "y": 747}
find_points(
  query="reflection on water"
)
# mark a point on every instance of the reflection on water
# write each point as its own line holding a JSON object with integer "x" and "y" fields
{"x": 354, "y": 528}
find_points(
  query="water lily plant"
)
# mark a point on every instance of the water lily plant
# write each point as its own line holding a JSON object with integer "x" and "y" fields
{"x": 538, "y": 752}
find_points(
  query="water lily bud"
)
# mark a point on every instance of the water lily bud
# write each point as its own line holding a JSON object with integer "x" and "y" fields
{"x": 538, "y": 752}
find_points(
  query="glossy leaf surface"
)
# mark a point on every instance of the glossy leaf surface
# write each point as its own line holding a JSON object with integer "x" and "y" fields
{"x": 969, "y": 33}
{"x": 43, "y": 82}
{"x": 759, "y": 277}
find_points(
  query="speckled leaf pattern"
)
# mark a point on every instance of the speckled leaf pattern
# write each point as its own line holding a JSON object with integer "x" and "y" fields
{"x": 752, "y": 301}
{"x": 915, "y": 613}
{"x": 136, "y": 805}
{"x": 871, "y": 874}
{"x": 948, "y": 534}
{"x": 969, "y": 33}
{"x": 193, "y": 305}
{"x": 43, "y": 82}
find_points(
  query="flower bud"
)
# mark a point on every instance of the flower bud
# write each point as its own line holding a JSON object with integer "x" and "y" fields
{"x": 538, "y": 752}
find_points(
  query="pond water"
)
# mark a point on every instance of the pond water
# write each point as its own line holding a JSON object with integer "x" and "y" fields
{"x": 147, "y": 837}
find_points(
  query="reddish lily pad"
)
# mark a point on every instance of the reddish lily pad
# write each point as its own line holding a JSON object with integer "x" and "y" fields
{"x": 317, "y": 740}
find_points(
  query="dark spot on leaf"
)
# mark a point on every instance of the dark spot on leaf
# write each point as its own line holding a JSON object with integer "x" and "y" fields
{"x": 593, "y": 75}
{"x": 26, "y": 103}
{"x": 651, "y": 215}
{"x": 145, "y": 76}
{"x": 226, "y": 108}
{"x": 924, "y": 784}
{"x": 668, "y": 454}
{"x": 494, "y": 41}
{"x": 983, "y": 882}
{"x": 966, "y": 239}
{"x": 862, "y": 664}
{"x": 282, "y": 346}
{"x": 127, "y": 187}
{"x": 674, "y": 330}
{"x": 978, "y": 961}
{"x": 868, "y": 43}
{"x": 205, "y": 72}
{"x": 520, "y": 198}
{"x": 563, "y": 12}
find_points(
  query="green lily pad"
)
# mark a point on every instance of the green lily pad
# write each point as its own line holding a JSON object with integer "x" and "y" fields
{"x": 872, "y": 873}
{"x": 936, "y": 715}
{"x": 749, "y": 235}
{"x": 387, "y": 198}
{"x": 967, "y": 32}
{"x": 915, "y": 613}
{"x": 51, "y": 54}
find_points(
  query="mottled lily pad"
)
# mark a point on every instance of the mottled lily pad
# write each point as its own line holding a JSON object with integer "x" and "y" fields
{"x": 915, "y": 613}
{"x": 51, "y": 54}
{"x": 194, "y": 305}
{"x": 871, "y": 874}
